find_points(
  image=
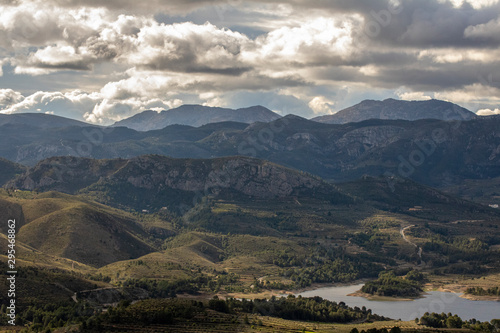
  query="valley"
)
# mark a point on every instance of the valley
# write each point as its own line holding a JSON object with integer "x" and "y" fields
{"x": 209, "y": 238}
{"x": 314, "y": 207}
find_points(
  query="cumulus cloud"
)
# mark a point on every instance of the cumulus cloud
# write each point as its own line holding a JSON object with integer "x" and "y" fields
{"x": 94, "y": 107}
{"x": 108, "y": 111}
{"x": 488, "y": 112}
{"x": 9, "y": 97}
{"x": 318, "y": 41}
{"x": 321, "y": 105}
{"x": 188, "y": 48}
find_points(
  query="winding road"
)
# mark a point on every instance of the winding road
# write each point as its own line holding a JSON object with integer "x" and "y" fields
{"x": 402, "y": 232}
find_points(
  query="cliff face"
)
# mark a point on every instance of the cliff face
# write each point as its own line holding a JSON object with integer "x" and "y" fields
{"x": 251, "y": 177}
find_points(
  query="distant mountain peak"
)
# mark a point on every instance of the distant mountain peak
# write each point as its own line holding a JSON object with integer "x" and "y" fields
{"x": 196, "y": 115}
{"x": 391, "y": 108}
{"x": 40, "y": 120}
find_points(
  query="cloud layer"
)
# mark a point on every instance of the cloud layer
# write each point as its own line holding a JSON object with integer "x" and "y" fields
{"x": 103, "y": 61}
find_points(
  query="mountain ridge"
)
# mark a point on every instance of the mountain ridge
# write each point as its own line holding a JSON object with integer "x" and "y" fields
{"x": 41, "y": 120}
{"x": 196, "y": 115}
{"x": 161, "y": 180}
{"x": 398, "y": 109}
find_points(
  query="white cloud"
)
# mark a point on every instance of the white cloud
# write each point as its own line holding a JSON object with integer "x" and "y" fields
{"x": 488, "y": 112}
{"x": 309, "y": 42}
{"x": 412, "y": 95}
{"x": 321, "y": 105}
{"x": 71, "y": 104}
{"x": 9, "y": 97}
{"x": 489, "y": 30}
{"x": 93, "y": 107}
{"x": 452, "y": 56}
{"x": 108, "y": 111}
{"x": 187, "y": 47}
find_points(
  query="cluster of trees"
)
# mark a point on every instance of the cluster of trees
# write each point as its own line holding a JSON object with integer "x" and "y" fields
{"x": 326, "y": 265}
{"x": 453, "y": 250}
{"x": 50, "y": 316}
{"x": 395, "y": 329}
{"x": 388, "y": 284}
{"x": 150, "y": 311}
{"x": 170, "y": 311}
{"x": 444, "y": 320}
{"x": 338, "y": 270}
{"x": 165, "y": 288}
{"x": 478, "y": 291}
{"x": 166, "y": 311}
{"x": 300, "y": 308}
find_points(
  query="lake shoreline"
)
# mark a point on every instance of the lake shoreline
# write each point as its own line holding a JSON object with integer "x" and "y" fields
{"x": 371, "y": 297}
{"x": 428, "y": 287}
{"x": 430, "y": 301}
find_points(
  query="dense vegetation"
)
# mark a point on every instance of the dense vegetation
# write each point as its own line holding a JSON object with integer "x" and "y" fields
{"x": 167, "y": 311}
{"x": 395, "y": 329}
{"x": 388, "y": 284}
{"x": 200, "y": 281}
{"x": 174, "y": 310}
{"x": 444, "y": 320}
{"x": 478, "y": 291}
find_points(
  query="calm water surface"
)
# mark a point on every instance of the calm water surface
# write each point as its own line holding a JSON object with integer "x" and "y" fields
{"x": 434, "y": 301}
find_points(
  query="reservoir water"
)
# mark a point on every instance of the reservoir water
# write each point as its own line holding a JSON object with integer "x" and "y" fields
{"x": 434, "y": 301}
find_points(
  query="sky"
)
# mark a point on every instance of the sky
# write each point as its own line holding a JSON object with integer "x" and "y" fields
{"x": 103, "y": 61}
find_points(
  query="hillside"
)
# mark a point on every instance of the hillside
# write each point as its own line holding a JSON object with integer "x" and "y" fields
{"x": 398, "y": 109}
{"x": 39, "y": 120}
{"x": 152, "y": 182}
{"x": 196, "y": 115}
{"x": 68, "y": 227}
{"x": 404, "y": 195}
{"x": 9, "y": 170}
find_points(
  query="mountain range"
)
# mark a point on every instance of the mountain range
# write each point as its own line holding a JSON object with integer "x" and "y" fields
{"x": 434, "y": 152}
{"x": 196, "y": 115}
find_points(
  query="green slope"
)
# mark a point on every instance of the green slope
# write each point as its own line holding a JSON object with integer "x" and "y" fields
{"x": 65, "y": 226}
